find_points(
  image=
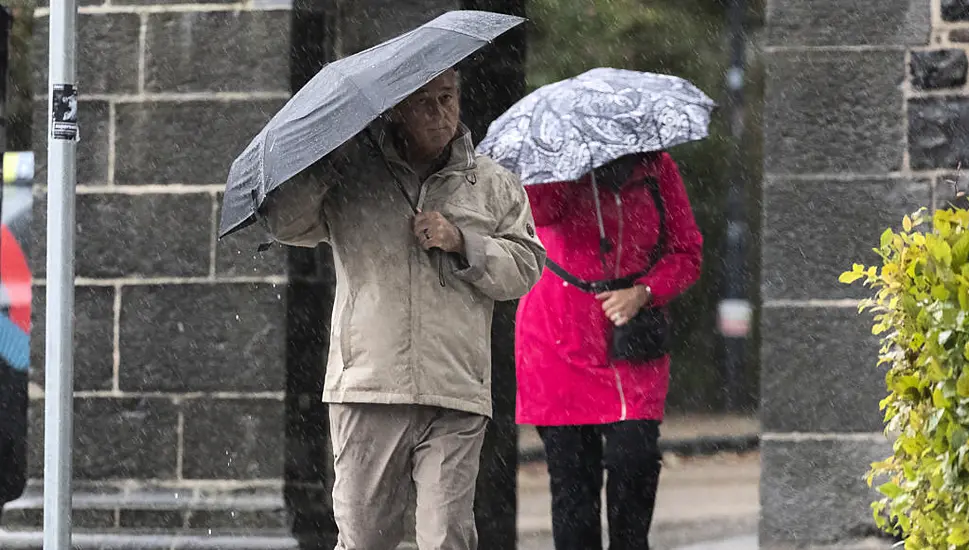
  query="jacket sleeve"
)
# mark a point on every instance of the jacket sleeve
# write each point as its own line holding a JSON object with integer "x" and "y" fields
{"x": 679, "y": 266}
{"x": 507, "y": 264}
{"x": 550, "y": 201}
{"x": 294, "y": 211}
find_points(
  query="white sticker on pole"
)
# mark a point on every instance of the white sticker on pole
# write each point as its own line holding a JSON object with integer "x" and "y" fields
{"x": 64, "y": 112}
{"x": 734, "y": 318}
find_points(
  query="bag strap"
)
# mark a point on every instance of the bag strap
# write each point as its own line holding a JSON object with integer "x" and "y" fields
{"x": 652, "y": 183}
{"x": 555, "y": 268}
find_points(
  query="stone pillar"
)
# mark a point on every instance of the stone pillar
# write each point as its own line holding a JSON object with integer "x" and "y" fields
{"x": 180, "y": 340}
{"x": 866, "y": 115}
{"x": 309, "y": 478}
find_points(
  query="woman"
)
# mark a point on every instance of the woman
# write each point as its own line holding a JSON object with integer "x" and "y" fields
{"x": 591, "y": 409}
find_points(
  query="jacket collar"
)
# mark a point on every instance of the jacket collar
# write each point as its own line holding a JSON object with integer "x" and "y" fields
{"x": 643, "y": 169}
{"x": 461, "y": 158}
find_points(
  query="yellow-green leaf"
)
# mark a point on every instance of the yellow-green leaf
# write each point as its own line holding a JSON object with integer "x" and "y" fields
{"x": 935, "y": 371}
{"x": 941, "y": 224}
{"x": 886, "y": 238}
{"x": 890, "y": 489}
{"x": 918, "y": 339}
{"x": 958, "y": 534}
{"x": 909, "y": 471}
{"x": 962, "y": 385}
{"x": 960, "y": 250}
{"x": 907, "y": 223}
{"x": 902, "y": 383}
{"x": 940, "y": 250}
{"x": 849, "y": 277}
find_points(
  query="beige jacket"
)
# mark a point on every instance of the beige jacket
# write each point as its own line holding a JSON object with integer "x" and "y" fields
{"x": 403, "y": 329}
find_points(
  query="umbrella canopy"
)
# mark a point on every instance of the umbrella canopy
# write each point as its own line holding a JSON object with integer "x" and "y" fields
{"x": 563, "y": 130}
{"x": 344, "y": 98}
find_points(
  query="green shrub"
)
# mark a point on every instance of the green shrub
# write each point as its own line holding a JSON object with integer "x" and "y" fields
{"x": 921, "y": 308}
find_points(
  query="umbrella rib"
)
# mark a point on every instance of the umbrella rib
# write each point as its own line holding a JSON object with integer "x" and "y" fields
{"x": 465, "y": 33}
{"x": 353, "y": 83}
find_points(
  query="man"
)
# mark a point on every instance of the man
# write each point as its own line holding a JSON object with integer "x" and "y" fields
{"x": 426, "y": 236}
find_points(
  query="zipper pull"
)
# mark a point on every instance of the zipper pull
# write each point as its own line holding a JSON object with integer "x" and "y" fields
{"x": 440, "y": 269}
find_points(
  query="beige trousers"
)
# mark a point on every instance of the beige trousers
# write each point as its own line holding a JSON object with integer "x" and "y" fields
{"x": 382, "y": 453}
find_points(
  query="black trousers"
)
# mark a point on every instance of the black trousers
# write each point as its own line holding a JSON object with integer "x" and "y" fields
{"x": 576, "y": 456}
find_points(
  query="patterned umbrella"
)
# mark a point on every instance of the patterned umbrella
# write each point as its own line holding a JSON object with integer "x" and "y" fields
{"x": 563, "y": 130}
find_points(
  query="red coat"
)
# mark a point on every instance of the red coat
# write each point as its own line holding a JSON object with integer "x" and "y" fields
{"x": 565, "y": 376}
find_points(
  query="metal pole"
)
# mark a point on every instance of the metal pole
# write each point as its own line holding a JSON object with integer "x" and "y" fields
{"x": 61, "y": 179}
{"x": 734, "y": 310}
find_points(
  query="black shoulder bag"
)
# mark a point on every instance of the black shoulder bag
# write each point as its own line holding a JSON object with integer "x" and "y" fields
{"x": 647, "y": 336}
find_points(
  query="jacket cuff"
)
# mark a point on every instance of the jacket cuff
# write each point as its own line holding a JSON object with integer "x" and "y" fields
{"x": 473, "y": 266}
{"x": 659, "y": 297}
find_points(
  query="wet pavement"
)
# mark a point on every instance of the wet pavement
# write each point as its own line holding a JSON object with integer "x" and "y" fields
{"x": 704, "y": 502}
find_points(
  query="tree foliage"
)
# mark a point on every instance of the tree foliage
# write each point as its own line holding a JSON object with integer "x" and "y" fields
{"x": 921, "y": 308}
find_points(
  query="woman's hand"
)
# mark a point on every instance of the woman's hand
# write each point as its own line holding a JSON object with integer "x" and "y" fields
{"x": 622, "y": 305}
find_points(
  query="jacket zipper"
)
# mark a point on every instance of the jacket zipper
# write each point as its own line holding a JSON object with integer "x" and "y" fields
{"x": 438, "y": 256}
{"x": 612, "y": 365}
{"x": 622, "y": 394}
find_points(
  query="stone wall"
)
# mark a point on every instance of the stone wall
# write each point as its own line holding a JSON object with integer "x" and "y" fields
{"x": 867, "y": 119}
{"x": 180, "y": 340}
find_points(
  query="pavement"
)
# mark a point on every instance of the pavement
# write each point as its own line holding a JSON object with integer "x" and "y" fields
{"x": 746, "y": 542}
{"x": 704, "y": 502}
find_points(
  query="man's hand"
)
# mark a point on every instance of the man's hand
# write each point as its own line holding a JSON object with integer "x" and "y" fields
{"x": 433, "y": 230}
{"x": 622, "y": 305}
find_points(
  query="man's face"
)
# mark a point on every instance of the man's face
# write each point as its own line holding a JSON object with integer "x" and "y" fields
{"x": 429, "y": 117}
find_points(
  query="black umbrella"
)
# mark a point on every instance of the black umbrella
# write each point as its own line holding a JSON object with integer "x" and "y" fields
{"x": 344, "y": 98}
